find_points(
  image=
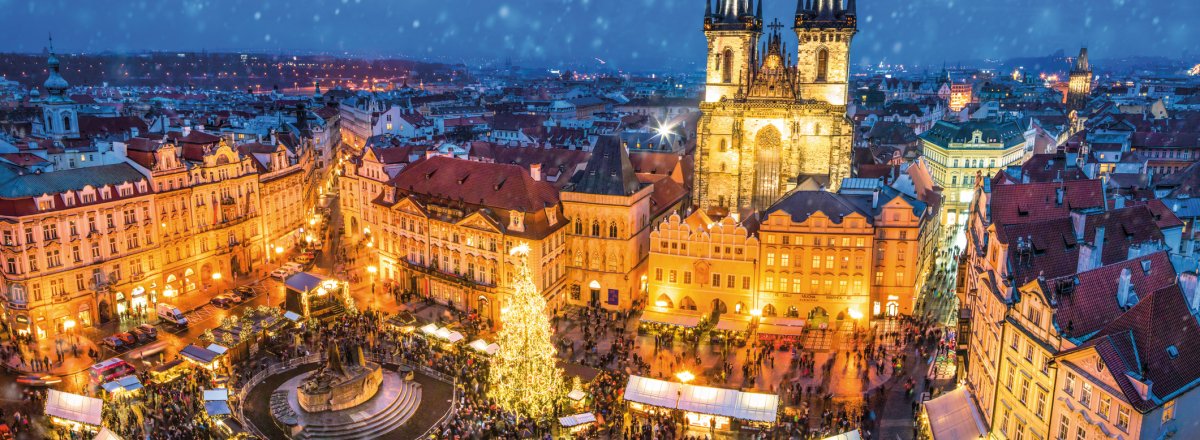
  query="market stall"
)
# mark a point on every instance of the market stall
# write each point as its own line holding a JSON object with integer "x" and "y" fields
{"x": 702, "y": 406}
{"x": 484, "y": 347}
{"x": 952, "y": 416}
{"x": 575, "y": 423}
{"x": 201, "y": 356}
{"x": 121, "y": 385}
{"x": 81, "y": 413}
{"x": 105, "y": 434}
{"x": 780, "y": 331}
{"x": 216, "y": 402}
{"x": 849, "y": 435}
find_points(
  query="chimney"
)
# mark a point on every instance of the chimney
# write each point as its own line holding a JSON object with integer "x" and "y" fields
{"x": 1058, "y": 195}
{"x": 1098, "y": 247}
{"x": 875, "y": 198}
{"x": 1123, "y": 288}
{"x": 535, "y": 170}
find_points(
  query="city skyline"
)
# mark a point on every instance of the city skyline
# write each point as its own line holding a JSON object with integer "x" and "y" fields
{"x": 585, "y": 32}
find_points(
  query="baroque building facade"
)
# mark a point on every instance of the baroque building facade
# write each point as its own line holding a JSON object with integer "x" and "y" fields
{"x": 768, "y": 125}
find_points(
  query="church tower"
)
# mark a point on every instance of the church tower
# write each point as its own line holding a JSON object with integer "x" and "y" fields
{"x": 769, "y": 126}
{"x": 59, "y": 118}
{"x": 732, "y": 30}
{"x": 824, "y": 29}
{"x": 1080, "y": 85}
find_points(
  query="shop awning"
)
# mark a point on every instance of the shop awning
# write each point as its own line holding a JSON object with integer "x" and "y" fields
{"x": 197, "y": 354}
{"x": 577, "y": 419}
{"x": 731, "y": 323}
{"x": 850, "y": 435}
{"x": 704, "y": 400}
{"x": 73, "y": 407}
{"x": 953, "y": 416}
{"x": 780, "y": 330}
{"x": 127, "y": 383}
{"x": 671, "y": 318}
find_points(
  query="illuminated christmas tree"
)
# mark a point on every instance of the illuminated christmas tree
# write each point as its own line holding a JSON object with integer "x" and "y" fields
{"x": 524, "y": 378}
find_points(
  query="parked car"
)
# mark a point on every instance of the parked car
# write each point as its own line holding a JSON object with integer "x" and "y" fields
{"x": 128, "y": 338}
{"x": 114, "y": 343}
{"x": 148, "y": 329}
{"x": 221, "y": 301}
{"x": 281, "y": 274}
{"x": 237, "y": 299}
{"x": 244, "y": 292}
{"x": 142, "y": 335}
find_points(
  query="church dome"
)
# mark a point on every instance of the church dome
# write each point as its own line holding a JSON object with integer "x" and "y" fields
{"x": 55, "y": 85}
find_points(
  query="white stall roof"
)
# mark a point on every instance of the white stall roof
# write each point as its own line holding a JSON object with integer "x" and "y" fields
{"x": 291, "y": 316}
{"x": 74, "y": 407}
{"x": 216, "y": 394}
{"x": 429, "y": 329}
{"x": 952, "y": 416}
{"x": 105, "y": 434}
{"x": 577, "y": 419}
{"x": 482, "y": 346}
{"x": 849, "y": 435}
{"x": 455, "y": 337}
{"x": 218, "y": 349}
{"x": 576, "y": 395}
{"x": 701, "y": 399}
{"x": 737, "y": 325}
{"x": 671, "y": 318}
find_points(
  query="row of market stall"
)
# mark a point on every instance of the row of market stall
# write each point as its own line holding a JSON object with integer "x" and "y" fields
{"x": 86, "y": 414}
{"x": 763, "y": 327}
{"x": 702, "y": 406}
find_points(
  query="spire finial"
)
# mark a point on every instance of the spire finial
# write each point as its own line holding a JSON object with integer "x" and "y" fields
{"x": 50, "y": 37}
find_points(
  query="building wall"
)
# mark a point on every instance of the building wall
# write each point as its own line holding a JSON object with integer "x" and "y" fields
{"x": 836, "y": 43}
{"x": 955, "y": 166}
{"x": 695, "y": 266}
{"x": 607, "y": 243}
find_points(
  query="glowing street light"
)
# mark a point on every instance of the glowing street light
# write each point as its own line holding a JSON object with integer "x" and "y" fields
{"x": 685, "y": 376}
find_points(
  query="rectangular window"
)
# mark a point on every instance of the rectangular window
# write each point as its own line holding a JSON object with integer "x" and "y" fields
{"x": 1040, "y": 409}
{"x": 795, "y": 285}
{"x": 1010, "y": 378}
{"x": 783, "y": 260}
{"x": 1004, "y": 421}
{"x": 729, "y": 280}
{"x": 860, "y": 242}
{"x": 746, "y": 283}
{"x": 1168, "y": 408}
{"x": 716, "y": 281}
{"x": 1105, "y": 404}
{"x": 658, "y": 274}
{"x": 1080, "y": 433}
{"x": 816, "y": 262}
{"x": 1122, "y": 417}
{"x": 878, "y": 278}
{"x": 770, "y": 259}
{"x": 1064, "y": 428}
{"x": 1024, "y": 392}
{"x": 1069, "y": 387}
{"x": 829, "y": 261}
{"x": 769, "y": 283}
{"x": 672, "y": 277}
{"x": 1085, "y": 396}
{"x": 687, "y": 277}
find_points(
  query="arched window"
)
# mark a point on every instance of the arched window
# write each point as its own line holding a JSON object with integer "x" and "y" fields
{"x": 66, "y": 122}
{"x": 578, "y": 227}
{"x": 822, "y": 64}
{"x": 612, "y": 230}
{"x": 595, "y": 228}
{"x": 727, "y": 70}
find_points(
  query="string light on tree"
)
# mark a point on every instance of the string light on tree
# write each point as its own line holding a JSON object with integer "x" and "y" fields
{"x": 523, "y": 377}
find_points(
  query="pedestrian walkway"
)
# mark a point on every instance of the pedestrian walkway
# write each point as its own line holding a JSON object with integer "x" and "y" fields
{"x": 65, "y": 356}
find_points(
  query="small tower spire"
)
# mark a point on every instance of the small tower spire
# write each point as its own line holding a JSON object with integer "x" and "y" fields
{"x": 852, "y": 8}
{"x": 707, "y": 9}
{"x": 758, "y": 12}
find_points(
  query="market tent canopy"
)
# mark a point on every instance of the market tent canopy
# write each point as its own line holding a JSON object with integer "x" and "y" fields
{"x": 952, "y": 416}
{"x": 197, "y": 354}
{"x": 73, "y": 407}
{"x": 292, "y": 316}
{"x": 484, "y": 347}
{"x": 304, "y": 281}
{"x": 218, "y": 349}
{"x": 849, "y": 435}
{"x": 701, "y": 399}
{"x": 127, "y": 383}
{"x": 576, "y": 395}
{"x": 216, "y": 402}
{"x": 577, "y": 419}
{"x": 679, "y": 319}
{"x": 429, "y": 329}
{"x": 105, "y": 434}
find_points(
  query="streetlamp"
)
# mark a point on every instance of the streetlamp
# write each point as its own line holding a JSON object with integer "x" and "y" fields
{"x": 684, "y": 377}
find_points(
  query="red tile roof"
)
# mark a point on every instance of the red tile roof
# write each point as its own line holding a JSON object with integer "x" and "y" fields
{"x": 1093, "y": 303}
{"x": 1031, "y": 202}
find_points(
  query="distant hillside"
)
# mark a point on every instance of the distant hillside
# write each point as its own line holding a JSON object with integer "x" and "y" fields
{"x": 223, "y": 70}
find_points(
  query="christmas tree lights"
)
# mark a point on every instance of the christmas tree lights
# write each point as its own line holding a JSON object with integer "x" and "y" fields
{"x": 524, "y": 378}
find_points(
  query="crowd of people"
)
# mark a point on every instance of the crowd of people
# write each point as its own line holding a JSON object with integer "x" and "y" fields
{"x": 172, "y": 409}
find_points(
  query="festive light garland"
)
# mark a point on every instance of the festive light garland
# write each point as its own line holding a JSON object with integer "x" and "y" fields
{"x": 524, "y": 377}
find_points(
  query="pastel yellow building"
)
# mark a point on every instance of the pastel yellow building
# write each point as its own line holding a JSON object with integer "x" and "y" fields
{"x": 958, "y": 152}
{"x": 698, "y": 265}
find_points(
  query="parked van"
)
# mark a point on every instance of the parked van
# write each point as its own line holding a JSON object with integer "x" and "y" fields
{"x": 293, "y": 267}
{"x": 171, "y": 314}
{"x": 110, "y": 369}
